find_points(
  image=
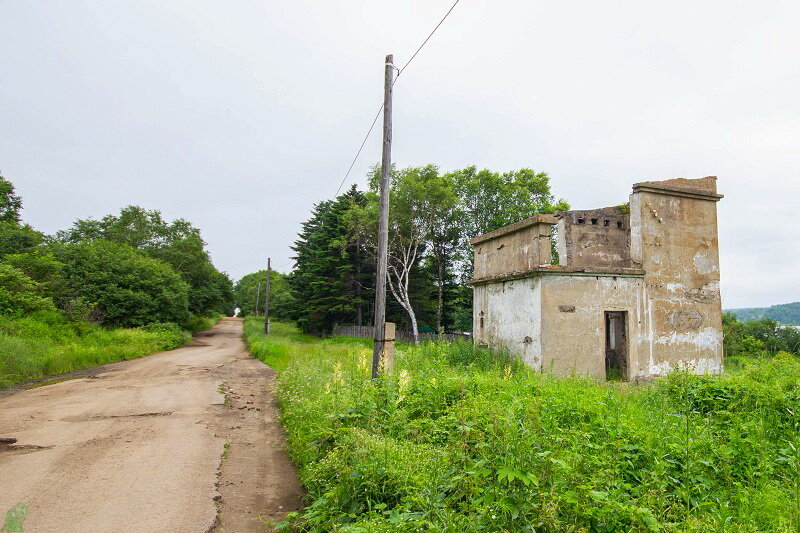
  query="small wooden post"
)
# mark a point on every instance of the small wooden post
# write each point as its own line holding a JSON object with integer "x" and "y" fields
{"x": 266, "y": 297}
{"x": 387, "y": 355}
{"x": 383, "y": 222}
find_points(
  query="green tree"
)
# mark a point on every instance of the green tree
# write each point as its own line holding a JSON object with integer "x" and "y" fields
{"x": 15, "y": 237}
{"x": 19, "y": 294}
{"x": 10, "y": 202}
{"x": 251, "y": 286}
{"x": 128, "y": 288}
{"x": 331, "y": 279}
{"x": 177, "y": 243}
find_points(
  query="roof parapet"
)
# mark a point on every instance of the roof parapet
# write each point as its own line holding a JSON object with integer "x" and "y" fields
{"x": 513, "y": 228}
{"x": 699, "y": 189}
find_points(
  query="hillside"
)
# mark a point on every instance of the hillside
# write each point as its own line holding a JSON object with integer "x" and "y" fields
{"x": 783, "y": 313}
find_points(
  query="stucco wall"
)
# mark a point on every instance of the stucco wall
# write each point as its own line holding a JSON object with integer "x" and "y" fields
{"x": 594, "y": 238}
{"x": 573, "y": 322}
{"x": 664, "y": 274}
{"x": 511, "y": 317}
{"x": 516, "y": 248}
{"x": 674, "y": 237}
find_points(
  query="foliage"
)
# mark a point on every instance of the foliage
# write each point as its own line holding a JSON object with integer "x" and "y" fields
{"x": 47, "y": 343}
{"x": 10, "y": 202}
{"x": 281, "y": 300}
{"x": 177, "y": 243}
{"x": 460, "y": 439}
{"x": 331, "y": 279}
{"x": 760, "y": 337}
{"x": 128, "y": 288}
{"x": 21, "y": 294}
{"x": 18, "y": 238}
{"x": 783, "y": 313}
{"x": 432, "y": 217}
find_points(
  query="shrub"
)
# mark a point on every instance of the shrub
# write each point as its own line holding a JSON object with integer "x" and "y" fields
{"x": 20, "y": 294}
{"x": 128, "y": 288}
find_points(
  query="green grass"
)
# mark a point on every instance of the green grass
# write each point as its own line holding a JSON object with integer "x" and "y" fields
{"x": 460, "y": 439}
{"x": 46, "y": 344}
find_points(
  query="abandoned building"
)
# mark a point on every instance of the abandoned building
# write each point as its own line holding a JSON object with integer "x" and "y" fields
{"x": 634, "y": 293}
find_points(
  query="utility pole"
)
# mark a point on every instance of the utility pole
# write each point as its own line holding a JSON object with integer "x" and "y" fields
{"x": 379, "y": 352}
{"x": 266, "y": 297}
{"x": 258, "y": 296}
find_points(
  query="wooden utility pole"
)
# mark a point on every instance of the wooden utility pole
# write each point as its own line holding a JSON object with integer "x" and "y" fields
{"x": 380, "y": 355}
{"x": 266, "y": 297}
{"x": 258, "y": 296}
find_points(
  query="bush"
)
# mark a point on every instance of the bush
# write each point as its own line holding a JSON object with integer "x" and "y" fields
{"x": 20, "y": 294}
{"x": 127, "y": 287}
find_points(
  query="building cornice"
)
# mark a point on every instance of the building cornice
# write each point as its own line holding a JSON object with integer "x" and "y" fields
{"x": 557, "y": 270}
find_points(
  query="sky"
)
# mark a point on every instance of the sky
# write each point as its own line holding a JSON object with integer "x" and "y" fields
{"x": 240, "y": 115}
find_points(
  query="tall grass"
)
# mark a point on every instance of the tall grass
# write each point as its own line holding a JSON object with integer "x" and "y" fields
{"x": 460, "y": 439}
{"x": 45, "y": 344}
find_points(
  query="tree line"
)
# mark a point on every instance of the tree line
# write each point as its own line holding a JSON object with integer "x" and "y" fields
{"x": 759, "y": 337}
{"x": 124, "y": 270}
{"x": 433, "y": 216}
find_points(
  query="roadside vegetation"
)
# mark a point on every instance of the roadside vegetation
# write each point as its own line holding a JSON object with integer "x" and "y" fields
{"x": 433, "y": 216}
{"x": 101, "y": 291}
{"x": 462, "y": 439}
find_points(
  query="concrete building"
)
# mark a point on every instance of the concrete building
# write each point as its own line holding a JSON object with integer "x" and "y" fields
{"x": 635, "y": 294}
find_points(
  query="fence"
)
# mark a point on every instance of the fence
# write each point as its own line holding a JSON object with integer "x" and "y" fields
{"x": 365, "y": 332}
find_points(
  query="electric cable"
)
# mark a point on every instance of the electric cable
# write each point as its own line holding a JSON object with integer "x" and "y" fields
{"x": 378, "y": 114}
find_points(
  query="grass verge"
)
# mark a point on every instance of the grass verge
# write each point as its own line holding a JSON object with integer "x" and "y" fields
{"x": 46, "y": 344}
{"x": 460, "y": 439}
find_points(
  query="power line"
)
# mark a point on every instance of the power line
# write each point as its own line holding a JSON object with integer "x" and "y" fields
{"x": 378, "y": 114}
{"x": 427, "y": 39}
{"x": 374, "y": 120}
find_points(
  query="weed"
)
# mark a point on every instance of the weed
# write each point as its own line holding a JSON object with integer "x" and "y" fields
{"x": 463, "y": 439}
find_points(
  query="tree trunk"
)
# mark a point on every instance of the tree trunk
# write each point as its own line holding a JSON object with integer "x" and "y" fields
{"x": 413, "y": 318}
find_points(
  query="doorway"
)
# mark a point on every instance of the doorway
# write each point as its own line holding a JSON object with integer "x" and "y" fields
{"x": 616, "y": 345}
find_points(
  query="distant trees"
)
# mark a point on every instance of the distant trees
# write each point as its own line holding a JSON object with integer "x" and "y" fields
{"x": 129, "y": 269}
{"x": 251, "y": 286}
{"x": 760, "y": 337}
{"x": 176, "y": 243}
{"x": 783, "y": 313}
{"x": 432, "y": 218}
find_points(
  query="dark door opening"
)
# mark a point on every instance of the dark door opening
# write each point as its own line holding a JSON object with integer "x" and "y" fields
{"x": 616, "y": 346}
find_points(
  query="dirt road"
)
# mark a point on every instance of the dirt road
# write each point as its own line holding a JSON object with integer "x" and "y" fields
{"x": 186, "y": 440}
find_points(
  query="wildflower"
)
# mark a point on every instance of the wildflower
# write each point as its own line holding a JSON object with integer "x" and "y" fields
{"x": 337, "y": 373}
{"x": 363, "y": 360}
{"x": 507, "y": 372}
{"x": 402, "y": 385}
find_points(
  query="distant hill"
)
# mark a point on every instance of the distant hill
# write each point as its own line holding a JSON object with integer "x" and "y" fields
{"x": 783, "y": 313}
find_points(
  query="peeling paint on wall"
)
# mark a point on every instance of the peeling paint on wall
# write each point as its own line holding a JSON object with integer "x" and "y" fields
{"x": 654, "y": 267}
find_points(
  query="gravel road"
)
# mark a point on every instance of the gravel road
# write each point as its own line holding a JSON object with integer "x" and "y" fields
{"x": 185, "y": 440}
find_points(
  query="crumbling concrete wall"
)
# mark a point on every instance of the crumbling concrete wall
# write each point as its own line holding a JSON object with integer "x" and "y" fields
{"x": 573, "y": 321}
{"x": 594, "y": 238}
{"x": 674, "y": 238}
{"x": 516, "y": 248}
{"x": 658, "y": 265}
{"x": 507, "y": 315}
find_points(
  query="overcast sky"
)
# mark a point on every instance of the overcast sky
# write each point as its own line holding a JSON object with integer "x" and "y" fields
{"x": 239, "y": 116}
